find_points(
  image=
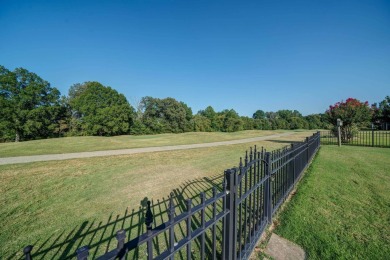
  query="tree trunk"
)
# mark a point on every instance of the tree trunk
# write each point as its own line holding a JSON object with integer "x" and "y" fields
{"x": 17, "y": 137}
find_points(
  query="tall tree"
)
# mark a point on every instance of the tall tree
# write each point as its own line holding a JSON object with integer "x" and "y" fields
{"x": 231, "y": 121}
{"x": 248, "y": 123}
{"x": 259, "y": 114}
{"x": 201, "y": 123}
{"x": 317, "y": 121}
{"x": 381, "y": 112}
{"x": 29, "y": 105}
{"x": 215, "y": 123}
{"x": 99, "y": 110}
{"x": 165, "y": 115}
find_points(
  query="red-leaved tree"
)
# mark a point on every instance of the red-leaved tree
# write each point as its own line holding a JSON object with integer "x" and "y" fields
{"x": 353, "y": 113}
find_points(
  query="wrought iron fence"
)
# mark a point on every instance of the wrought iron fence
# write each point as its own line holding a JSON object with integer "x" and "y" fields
{"x": 228, "y": 223}
{"x": 373, "y": 138}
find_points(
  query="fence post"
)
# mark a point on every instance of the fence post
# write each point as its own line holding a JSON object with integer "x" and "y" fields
{"x": 82, "y": 253}
{"x": 229, "y": 239}
{"x": 188, "y": 224}
{"x": 293, "y": 162}
{"x": 171, "y": 219}
{"x": 148, "y": 223}
{"x": 372, "y": 134}
{"x": 27, "y": 252}
{"x": 339, "y": 125}
{"x": 318, "y": 139}
{"x": 120, "y": 237}
{"x": 307, "y": 150}
{"x": 268, "y": 190}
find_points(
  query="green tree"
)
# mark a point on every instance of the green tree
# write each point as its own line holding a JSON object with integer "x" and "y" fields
{"x": 215, "y": 123}
{"x": 290, "y": 119}
{"x": 201, "y": 123}
{"x": 298, "y": 123}
{"x": 353, "y": 113}
{"x": 272, "y": 118}
{"x": 248, "y": 123}
{"x": 231, "y": 121}
{"x": 317, "y": 121}
{"x": 29, "y": 106}
{"x": 384, "y": 106}
{"x": 259, "y": 114}
{"x": 64, "y": 117}
{"x": 165, "y": 115}
{"x": 381, "y": 116}
{"x": 288, "y": 114}
{"x": 188, "y": 125}
{"x": 151, "y": 115}
{"x": 99, "y": 110}
{"x": 262, "y": 124}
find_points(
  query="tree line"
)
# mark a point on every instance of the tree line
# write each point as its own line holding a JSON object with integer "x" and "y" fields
{"x": 30, "y": 108}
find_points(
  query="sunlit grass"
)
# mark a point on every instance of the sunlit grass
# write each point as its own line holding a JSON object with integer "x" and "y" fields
{"x": 96, "y": 143}
{"x": 341, "y": 209}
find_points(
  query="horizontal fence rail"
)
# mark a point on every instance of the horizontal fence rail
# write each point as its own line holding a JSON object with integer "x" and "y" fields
{"x": 227, "y": 223}
{"x": 373, "y": 138}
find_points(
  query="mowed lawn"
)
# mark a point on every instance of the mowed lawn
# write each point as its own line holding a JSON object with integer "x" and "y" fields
{"x": 342, "y": 206}
{"x": 59, "y": 206}
{"x": 96, "y": 143}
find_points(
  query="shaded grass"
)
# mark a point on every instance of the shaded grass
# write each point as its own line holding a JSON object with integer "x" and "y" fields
{"x": 61, "y": 205}
{"x": 96, "y": 143}
{"x": 342, "y": 207}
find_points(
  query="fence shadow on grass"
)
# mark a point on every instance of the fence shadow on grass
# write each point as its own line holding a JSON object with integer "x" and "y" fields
{"x": 100, "y": 236}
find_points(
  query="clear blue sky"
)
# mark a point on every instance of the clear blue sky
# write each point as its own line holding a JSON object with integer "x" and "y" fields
{"x": 245, "y": 55}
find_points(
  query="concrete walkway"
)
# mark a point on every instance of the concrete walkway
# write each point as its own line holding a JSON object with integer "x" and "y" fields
{"x": 280, "y": 248}
{"x": 66, "y": 156}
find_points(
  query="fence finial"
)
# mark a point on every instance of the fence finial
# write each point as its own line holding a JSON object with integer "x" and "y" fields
{"x": 246, "y": 158}
{"x": 82, "y": 253}
{"x": 227, "y": 179}
{"x": 27, "y": 252}
{"x": 189, "y": 205}
{"x": 120, "y": 236}
{"x": 148, "y": 216}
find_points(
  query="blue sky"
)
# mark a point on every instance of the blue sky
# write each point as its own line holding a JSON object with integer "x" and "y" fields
{"x": 245, "y": 55}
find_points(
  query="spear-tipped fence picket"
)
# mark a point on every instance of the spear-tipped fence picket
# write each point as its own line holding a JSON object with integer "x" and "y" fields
{"x": 229, "y": 223}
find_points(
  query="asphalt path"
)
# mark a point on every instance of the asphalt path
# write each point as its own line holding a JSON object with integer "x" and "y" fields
{"x": 67, "y": 156}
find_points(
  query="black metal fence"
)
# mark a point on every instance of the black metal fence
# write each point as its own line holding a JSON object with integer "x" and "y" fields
{"x": 228, "y": 223}
{"x": 373, "y": 138}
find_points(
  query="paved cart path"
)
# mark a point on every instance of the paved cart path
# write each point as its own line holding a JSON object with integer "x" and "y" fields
{"x": 66, "y": 156}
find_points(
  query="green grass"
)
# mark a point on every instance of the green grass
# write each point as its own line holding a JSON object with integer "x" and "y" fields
{"x": 342, "y": 207}
{"x": 59, "y": 206}
{"x": 381, "y": 139}
{"x": 96, "y": 143}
